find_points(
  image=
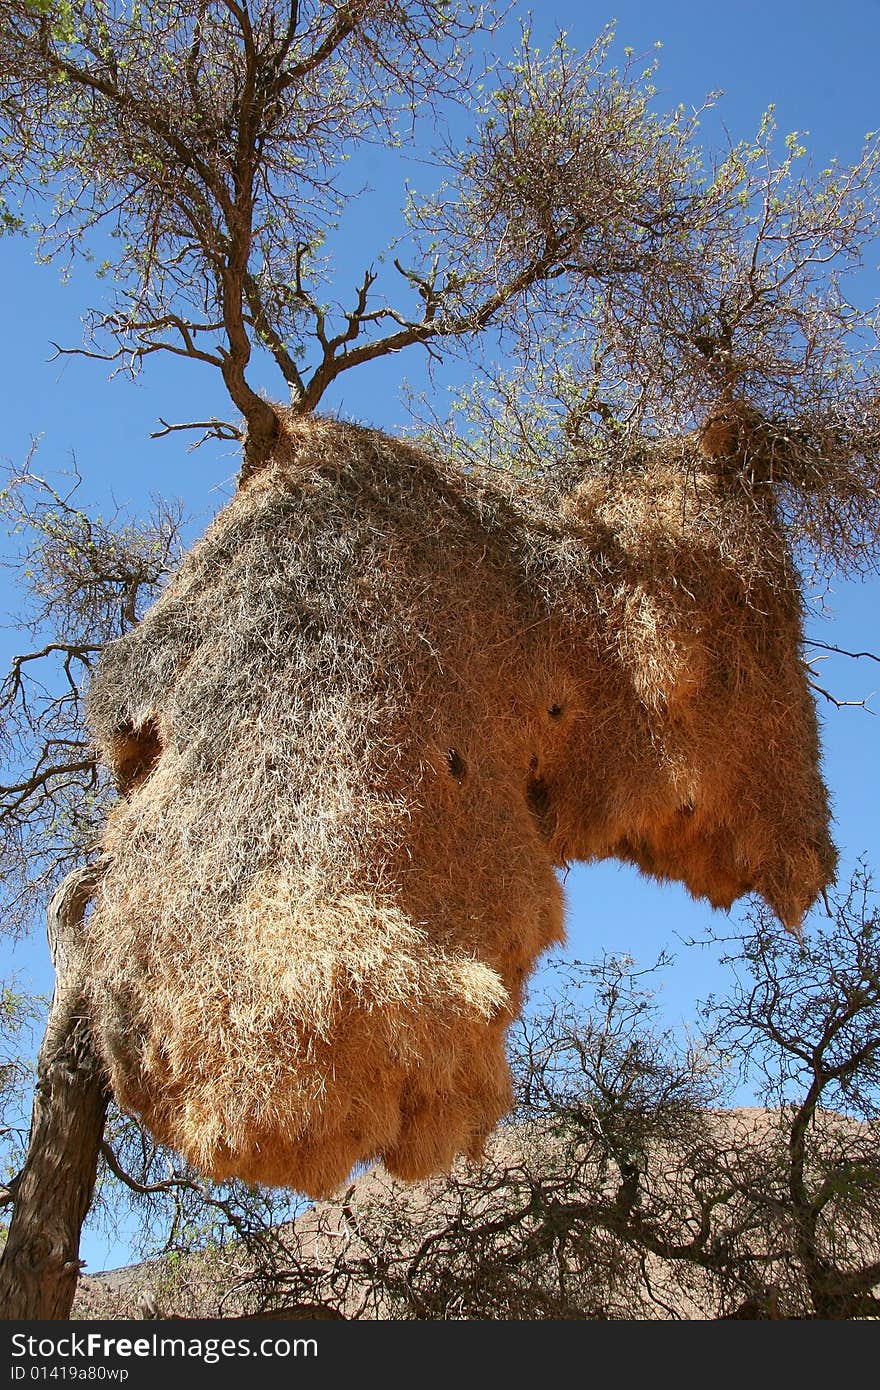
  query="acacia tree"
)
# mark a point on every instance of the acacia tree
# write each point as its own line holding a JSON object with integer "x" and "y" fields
{"x": 204, "y": 144}
{"x": 199, "y": 148}
{"x": 209, "y": 139}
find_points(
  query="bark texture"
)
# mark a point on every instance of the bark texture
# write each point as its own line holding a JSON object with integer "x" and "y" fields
{"x": 40, "y": 1263}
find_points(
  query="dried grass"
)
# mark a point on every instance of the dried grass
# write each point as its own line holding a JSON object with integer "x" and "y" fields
{"x": 374, "y": 709}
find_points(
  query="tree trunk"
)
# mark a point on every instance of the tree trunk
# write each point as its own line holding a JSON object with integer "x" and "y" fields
{"x": 40, "y": 1263}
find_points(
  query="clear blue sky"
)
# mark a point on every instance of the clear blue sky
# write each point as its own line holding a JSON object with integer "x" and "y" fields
{"x": 817, "y": 63}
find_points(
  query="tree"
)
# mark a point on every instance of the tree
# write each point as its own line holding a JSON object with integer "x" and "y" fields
{"x": 209, "y": 137}
{"x": 198, "y": 145}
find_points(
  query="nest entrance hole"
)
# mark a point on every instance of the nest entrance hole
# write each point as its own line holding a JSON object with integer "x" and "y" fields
{"x": 539, "y": 801}
{"x": 135, "y": 754}
{"x": 456, "y": 764}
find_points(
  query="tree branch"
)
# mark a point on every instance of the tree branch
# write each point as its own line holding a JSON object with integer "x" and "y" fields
{"x": 213, "y": 429}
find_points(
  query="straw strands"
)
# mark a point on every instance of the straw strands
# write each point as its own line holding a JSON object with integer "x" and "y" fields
{"x": 376, "y": 708}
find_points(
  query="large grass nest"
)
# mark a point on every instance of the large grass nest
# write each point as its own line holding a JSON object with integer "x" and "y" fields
{"x": 376, "y": 708}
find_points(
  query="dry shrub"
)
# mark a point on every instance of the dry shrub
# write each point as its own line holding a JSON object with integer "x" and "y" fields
{"x": 375, "y": 708}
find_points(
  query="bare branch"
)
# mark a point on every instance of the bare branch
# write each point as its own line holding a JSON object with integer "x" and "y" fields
{"x": 840, "y": 651}
{"x": 213, "y": 429}
{"x": 840, "y": 704}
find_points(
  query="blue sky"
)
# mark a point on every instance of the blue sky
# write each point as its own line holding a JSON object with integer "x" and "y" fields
{"x": 817, "y": 63}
